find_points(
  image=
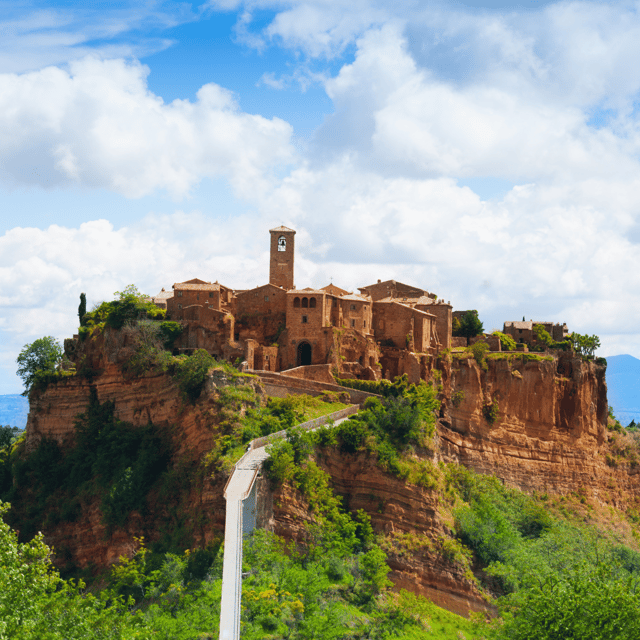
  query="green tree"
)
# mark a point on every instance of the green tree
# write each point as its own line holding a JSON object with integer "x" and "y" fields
{"x": 592, "y": 601}
{"x": 542, "y": 335}
{"x": 82, "y": 308}
{"x": 470, "y": 325}
{"x": 585, "y": 345}
{"x": 41, "y": 355}
{"x": 36, "y": 603}
{"x": 7, "y": 435}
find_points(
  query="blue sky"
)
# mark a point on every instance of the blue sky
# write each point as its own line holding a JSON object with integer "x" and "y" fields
{"x": 487, "y": 151}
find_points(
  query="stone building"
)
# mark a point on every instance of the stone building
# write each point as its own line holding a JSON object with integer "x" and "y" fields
{"x": 387, "y": 329}
{"x": 523, "y": 331}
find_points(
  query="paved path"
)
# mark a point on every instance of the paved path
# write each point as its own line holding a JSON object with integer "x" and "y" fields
{"x": 237, "y": 490}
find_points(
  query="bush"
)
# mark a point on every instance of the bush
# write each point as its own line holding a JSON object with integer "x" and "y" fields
{"x": 170, "y": 331}
{"x": 506, "y": 341}
{"x": 130, "y": 307}
{"x": 191, "y": 372}
{"x": 148, "y": 348}
{"x": 478, "y": 349}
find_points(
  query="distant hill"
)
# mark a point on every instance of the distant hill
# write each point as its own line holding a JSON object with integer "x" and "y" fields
{"x": 13, "y": 411}
{"x": 623, "y": 382}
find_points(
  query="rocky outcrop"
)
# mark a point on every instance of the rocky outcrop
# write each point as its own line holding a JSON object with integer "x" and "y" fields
{"x": 538, "y": 424}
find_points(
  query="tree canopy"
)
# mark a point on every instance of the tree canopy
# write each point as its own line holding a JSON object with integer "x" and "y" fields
{"x": 469, "y": 326}
{"x": 41, "y": 355}
{"x": 585, "y": 345}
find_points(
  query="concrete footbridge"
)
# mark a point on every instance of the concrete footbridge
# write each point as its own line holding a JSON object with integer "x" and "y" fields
{"x": 240, "y": 519}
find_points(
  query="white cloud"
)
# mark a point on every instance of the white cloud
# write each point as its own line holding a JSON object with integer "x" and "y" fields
{"x": 33, "y": 38}
{"x": 43, "y": 271}
{"x": 399, "y": 119}
{"x": 100, "y": 126}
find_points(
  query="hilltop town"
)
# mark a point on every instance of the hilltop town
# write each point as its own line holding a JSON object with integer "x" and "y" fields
{"x": 385, "y": 330}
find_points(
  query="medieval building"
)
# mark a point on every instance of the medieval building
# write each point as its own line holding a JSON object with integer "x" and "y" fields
{"x": 387, "y": 329}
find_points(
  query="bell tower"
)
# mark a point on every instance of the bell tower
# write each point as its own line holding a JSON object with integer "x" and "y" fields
{"x": 281, "y": 264}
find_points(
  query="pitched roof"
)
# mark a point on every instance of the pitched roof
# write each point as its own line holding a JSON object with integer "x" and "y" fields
{"x": 282, "y": 228}
{"x": 197, "y": 286}
{"x": 331, "y": 288}
{"x": 261, "y": 287}
{"x": 356, "y": 297}
{"x": 527, "y": 324}
{"x": 163, "y": 295}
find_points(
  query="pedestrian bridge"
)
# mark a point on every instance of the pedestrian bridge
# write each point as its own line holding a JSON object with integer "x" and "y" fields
{"x": 240, "y": 519}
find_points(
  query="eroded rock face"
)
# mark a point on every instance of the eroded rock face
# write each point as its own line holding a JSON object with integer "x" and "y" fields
{"x": 407, "y": 513}
{"x": 548, "y": 434}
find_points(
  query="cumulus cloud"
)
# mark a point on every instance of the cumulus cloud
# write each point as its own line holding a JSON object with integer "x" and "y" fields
{"x": 99, "y": 126}
{"x": 545, "y": 250}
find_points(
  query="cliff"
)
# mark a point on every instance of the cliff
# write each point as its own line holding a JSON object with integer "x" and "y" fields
{"x": 539, "y": 424}
{"x": 548, "y": 433}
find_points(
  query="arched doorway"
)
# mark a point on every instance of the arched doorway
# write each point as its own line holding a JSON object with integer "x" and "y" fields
{"x": 304, "y": 354}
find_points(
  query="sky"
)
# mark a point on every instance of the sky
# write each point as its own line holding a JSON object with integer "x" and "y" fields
{"x": 485, "y": 151}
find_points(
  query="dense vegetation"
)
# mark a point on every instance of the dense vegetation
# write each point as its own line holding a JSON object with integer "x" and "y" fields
{"x": 556, "y": 570}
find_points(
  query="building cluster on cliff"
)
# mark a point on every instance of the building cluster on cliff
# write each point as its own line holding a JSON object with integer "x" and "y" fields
{"x": 385, "y": 330}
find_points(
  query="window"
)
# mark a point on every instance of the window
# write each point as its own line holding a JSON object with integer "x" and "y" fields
{"x": 282, "y": 243}
{"x": 211, "y": 294}
{"x": 353, "y": 323}
{"x": 179, "y": 294}
{"x": 353, "y": 307}
{"x": 179, "y": 306}
{"x": 364, "y": 324}
{"x": 312, "y": 303}
{"x": 304, "y": 319}
{"x": 296, "y": 303}
{"x": 266, "y": 298}
{"x": 197, "y": 296}
{"x": 305, "y": 303}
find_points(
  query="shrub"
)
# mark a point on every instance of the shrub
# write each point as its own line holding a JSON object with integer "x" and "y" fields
{"x": 191, "y": 373}
{"x": 457, "y": 397}
{"x": 478, "y": 350}
{"x": 506, "y": 341}
{"x": 490, "y": 411}
{"x": 170, "y": 331}
{"x": 148, "y": 350}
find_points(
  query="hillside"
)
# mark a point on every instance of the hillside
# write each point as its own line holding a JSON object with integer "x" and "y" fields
{"x": 623, "y": 384}
{"x": 152, "y": 450}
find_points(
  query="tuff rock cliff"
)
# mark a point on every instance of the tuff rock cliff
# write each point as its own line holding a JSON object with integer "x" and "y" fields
{"x": 538, "y": 424}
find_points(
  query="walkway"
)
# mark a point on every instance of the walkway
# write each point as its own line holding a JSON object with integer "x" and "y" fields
{"x": 238, "y": 489}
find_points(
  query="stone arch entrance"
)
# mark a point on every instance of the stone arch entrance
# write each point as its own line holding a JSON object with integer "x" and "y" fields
{"x": 304, "y": 354}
